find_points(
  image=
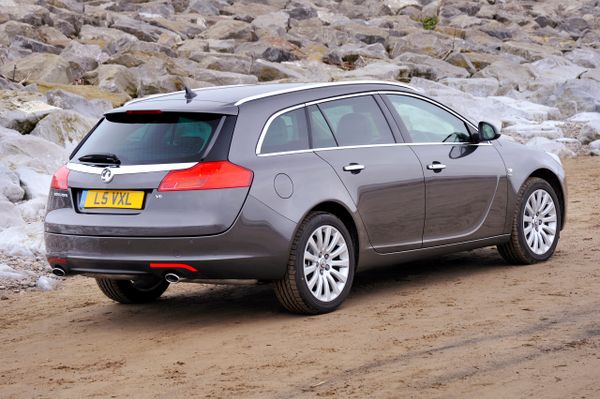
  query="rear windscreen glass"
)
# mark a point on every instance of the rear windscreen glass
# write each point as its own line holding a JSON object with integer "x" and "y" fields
{"x": 138, "y": 139}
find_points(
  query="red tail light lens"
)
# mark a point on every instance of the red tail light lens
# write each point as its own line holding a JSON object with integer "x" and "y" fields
{"x": 60, "y": 179}
{"x": 207, "y": 176}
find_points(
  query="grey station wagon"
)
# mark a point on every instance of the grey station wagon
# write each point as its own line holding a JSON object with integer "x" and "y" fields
{"x": 296, "y": 184}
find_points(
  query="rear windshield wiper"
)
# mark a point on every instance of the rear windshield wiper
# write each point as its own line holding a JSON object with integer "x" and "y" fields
{"x": 101, "y": 159}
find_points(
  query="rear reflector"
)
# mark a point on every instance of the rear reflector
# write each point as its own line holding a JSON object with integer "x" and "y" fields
{"x": 207, "y": 176}
{"x": 173, "y": 266}
{"x": 57, "y": 261}
{"x": 60, "y": 179}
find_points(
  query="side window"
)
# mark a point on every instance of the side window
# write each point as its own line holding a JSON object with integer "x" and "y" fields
{"x": 287, "y": 132}
{"x": 427, "y": 123}
{"x": 321, "y": 134}
{"x": 357, "y": 121}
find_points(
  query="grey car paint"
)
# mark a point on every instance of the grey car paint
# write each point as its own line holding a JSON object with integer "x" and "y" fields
{"x": 241, "y": 233}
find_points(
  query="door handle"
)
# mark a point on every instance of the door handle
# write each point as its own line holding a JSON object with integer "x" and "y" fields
{"x": 436, "y": 166}
{"x": 354, "y": 168}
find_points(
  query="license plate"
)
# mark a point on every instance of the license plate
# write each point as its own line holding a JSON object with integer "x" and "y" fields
{"x": 112, "y": 199}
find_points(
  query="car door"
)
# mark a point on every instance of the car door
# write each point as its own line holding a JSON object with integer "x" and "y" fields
{"x": 384, "y": 179}
{"x": 465, "y": 183}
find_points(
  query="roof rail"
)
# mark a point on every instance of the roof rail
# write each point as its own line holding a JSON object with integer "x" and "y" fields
{"x": 136, "y": 100}
{"x": 309, "y": 86}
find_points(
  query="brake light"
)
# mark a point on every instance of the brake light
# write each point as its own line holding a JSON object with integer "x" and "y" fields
{"x": 207, "y": 176}
{"x": 60, "y": 179}
{"x": 143, "y": 112}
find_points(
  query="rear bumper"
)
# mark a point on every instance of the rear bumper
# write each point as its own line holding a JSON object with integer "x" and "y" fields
{"x": 255, "y": 247}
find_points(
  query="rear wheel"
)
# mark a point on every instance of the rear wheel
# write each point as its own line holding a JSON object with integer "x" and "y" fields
{"x": 127, "y": 291}
{"x": 535, "y": 226}
{"x": 320, "y": 268}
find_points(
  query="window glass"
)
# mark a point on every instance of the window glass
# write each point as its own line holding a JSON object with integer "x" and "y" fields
{"x": 138, "y": 139}
{"x": 357, "y": 121}
{"x": 321, "y": 134}
{"x": 287, "y": 132}
{"x": 428, "y": 123}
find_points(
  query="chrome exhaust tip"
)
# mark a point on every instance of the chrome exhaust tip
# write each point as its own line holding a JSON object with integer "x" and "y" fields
{"x": 59, "y": 271}
{"x": 172, "y": 278}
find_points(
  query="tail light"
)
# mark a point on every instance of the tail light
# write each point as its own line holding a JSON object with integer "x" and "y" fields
{"x": 207, "y": 176}
{"x": 60, "y": 179}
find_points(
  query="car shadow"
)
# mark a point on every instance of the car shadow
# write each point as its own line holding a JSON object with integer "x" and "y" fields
{"x": 190, "y": 304}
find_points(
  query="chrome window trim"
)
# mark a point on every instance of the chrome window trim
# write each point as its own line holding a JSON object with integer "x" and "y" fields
{"x": 129, "y": 169}
{"x": 319, "y": 85}
{"x": 367, "y": 146}
{"x": 370, "y": 93}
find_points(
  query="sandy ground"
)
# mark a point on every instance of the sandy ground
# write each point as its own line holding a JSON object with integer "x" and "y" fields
{"x": 466, "y": 325}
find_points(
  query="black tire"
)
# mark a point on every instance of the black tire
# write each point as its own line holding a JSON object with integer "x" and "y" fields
{"x": 292, "y": 290}
{"x": 128, "y": 292}
{"x": 516, "y": 251}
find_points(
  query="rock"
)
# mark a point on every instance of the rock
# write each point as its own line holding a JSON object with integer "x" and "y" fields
{"x": 509, "y": 74}
{"x": 595, "y": 147}
{"x": 394, "y": 6}
{"x": 366, "y": 33}
{"x": 529, "y": 51}
{"x": 139, "y": 29}
{"x": 571, "y": 143}
{"x": 462, "y": 61}
{"x": 272, "y": 49}
{"x": 43, "y": 67}
{"x": 434, "y": 68}
{"x": 86, "y": 56}
{"x": 207, "y": 7}
{"x": 575, "y": 96}
{"x": 89, "y": 108}
{"x": 547, "y": 129}
{"x": 590, "y": 132}
{"x": 221, "y": 46}
{"x": 35, "y": 46}
{"x": 301, "y": 11}
{"x": 230, "y": 29}
{"x": 114, "y": 78}
{"x": 47, "y": 283}
{"x": 556, "y": 69}
{"x": 575, "y": 26}
{"x": 10, "y": 187}
{"x": 375, "y": 70}
{"x": 593, "y": 74}
{"x": 22, "y": 112}
{"x": 551, "y": 146}
{"x": 585, "y": 57}
{"x": 33, "y": 210}
{"x": 425, "y": 42}
{"x": 223, "y": 78}
{"x": 39, "y": 155}
{"x": 271, "y": 24}
{"x": 266, "y": 71}
{"x": 103, "y": 36}
{"x": 223, "y": 62}
{"x": 64, "y": 127}
{"x": 349, "y": 53}
{"x": 36, "y": 184}
{"x": 479, "y": 87}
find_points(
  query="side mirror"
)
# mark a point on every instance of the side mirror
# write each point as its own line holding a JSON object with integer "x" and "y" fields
{"x": 486, "y": 132}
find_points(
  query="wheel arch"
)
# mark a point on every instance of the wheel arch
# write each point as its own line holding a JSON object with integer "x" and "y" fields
{"x": 554, "y": 181}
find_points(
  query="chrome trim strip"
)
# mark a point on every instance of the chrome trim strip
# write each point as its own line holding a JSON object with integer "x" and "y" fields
{"x": 320, "y": 85}
{"x": 129, "y": 169}
{"x": 370, "y": 93}
{"x": 349, "y": 147}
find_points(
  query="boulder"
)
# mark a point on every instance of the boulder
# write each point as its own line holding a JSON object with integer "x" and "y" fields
{"x": 595, "y": 148}
{"x": 43, "y": 67}
{"x": 103, "y": 36}
{"x": 375, "y": 70}
{"x": 366, "y": 33}
{"x": 85, "y": 56}
{"x": 555, "y": 69}
{"x": 22, "y": 111}
{"x": 429, "y": 43}
{"x": 89, "y": 108}
{"x": 64, "y": 127}
{"x": 33, "y": 152}
{"x": 272, "y": 49}
{"x": 510, "y": 75}
{"x": 435, "y": 69}
{"x": 9, "y": 215}
{"x": 479, "y": 87}
{"x": 529, "y": 51}
{"x": 351, "y": 52}
{"x": 551, "y": 146}
{"x": 547, "y": 129}
{"x": 10, "y": 187}
{"x": 223, "y": 78}
{"x": 585, "y": 57}
{"x": 230, "y": 29}
{"x": 267, "y": 71}
{"x": 114, "y": 78}
{"x": 271, "y": 24}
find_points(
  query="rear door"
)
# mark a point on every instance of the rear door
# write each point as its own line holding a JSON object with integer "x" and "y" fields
{"x": 116, "y": 174}
{"x": 384, "y": 179}
{"x": 465, "y": 183}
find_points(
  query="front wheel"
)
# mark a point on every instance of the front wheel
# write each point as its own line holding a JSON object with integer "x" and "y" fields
{"x": 320, "y": 268}
{"x": 128, "y": 292}
{"x": 535, "y": 226}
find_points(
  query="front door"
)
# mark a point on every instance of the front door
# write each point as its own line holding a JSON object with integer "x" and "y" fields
{"x": 465, "y": 183}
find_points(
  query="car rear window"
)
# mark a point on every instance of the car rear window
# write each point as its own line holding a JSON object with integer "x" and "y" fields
{"x": 139, "y": 139}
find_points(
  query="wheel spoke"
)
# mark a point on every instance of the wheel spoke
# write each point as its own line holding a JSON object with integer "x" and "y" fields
{"x": 326, "y": 290}
{"x": 310, "y": 257}
{"x": 312, "y": 244}
{"x": 309, "y": 269}
{"x": 339, "y": 251}
{"x": 333, "y": 284}
{"x": 311, "y": 283}
{"x": 339, "y": 276}
{"x": 549, "y": 229}
{"x": 334, "y": 241}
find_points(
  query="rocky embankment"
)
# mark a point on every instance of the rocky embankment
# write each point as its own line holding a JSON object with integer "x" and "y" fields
{"x": 532, "y": 68}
